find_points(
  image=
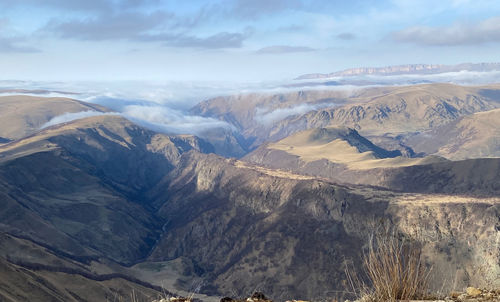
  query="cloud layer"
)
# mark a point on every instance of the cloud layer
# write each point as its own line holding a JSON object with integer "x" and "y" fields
{"x": 68, "y": 117}
{"x": 160, "y": 118}
{"x": 168, "y": 120}
{"x": 265, "y": 117}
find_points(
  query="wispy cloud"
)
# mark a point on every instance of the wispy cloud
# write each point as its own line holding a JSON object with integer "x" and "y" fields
{"x": 68, "y": 117}
{"x": 265, "y": 117}
{"x": 486, "y": 31}
{"x": 81, "y": 5}
{"x": 216, "y": 41}
{"x": 164, "y": 119}
{"x": 11, "y": 42}
{"x": 158, "y": 26}
{"x": 346, "y": 36}
{"x": 127, "y": 25}
{"x": 14, "y": 45}
{"x": 280, "y": 49}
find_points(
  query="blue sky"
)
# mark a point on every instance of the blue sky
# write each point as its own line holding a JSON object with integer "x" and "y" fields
{"x": 236, "y": 40}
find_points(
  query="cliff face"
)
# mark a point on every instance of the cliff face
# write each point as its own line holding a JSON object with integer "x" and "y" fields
{"x": 288, "y": 235}
{"x": 404, "y": 69}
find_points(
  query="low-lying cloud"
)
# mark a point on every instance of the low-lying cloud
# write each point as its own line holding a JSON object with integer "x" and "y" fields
{"x": 68, "y": 117}
{"x": 157, "y": 118}
{"x": 265, "y": 117}
{"x": 165, "y": 106}
{"x": 462, "y": 77}
{"x": 168, "y": 120}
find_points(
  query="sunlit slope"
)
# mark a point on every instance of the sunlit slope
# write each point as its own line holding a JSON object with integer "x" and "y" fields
{"x": 371, "y": 111}
{"x": 472, "y": 136}
{"x": 22, "y": 115}
{"x": 342, "y": 155}
{"x": 342, "y": 146}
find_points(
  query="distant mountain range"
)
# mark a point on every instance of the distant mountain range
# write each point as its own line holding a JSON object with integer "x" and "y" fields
{"x": 378, "y": 111}
{"x": 403, "y": 69}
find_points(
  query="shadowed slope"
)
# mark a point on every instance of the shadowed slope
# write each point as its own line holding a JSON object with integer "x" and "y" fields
{"x": 79, "y": 186}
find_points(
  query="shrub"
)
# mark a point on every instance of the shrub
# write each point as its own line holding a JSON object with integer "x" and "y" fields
{"x": 395, "y": 269}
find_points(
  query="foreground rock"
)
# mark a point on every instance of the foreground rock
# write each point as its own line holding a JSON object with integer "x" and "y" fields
{"x": 471, "y": 294}
{"x": 255, "y": 297}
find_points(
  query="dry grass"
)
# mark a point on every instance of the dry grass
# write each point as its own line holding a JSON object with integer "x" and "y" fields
{"x": 394, "y": 268}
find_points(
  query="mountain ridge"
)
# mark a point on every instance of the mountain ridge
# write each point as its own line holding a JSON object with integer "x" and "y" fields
{"x": 404, "y": 69}
{"x": 376, "y": 111}
{"x": 22, "y": 115}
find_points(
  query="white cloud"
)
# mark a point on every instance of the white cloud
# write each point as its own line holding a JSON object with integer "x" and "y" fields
{"x": 163, "y": 107}
{"x": 164, "y": 119}
{"x": 266, "y": 117}
{"x": 68, "y": 117}
{"x": 283, "y": 49}
{"x": 463, "y": 77}
{"x": 158, "y": 118}
{"x": 486, "y": 31}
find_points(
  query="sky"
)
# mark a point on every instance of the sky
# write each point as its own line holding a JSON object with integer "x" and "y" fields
{"x": 236, "y": 40}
